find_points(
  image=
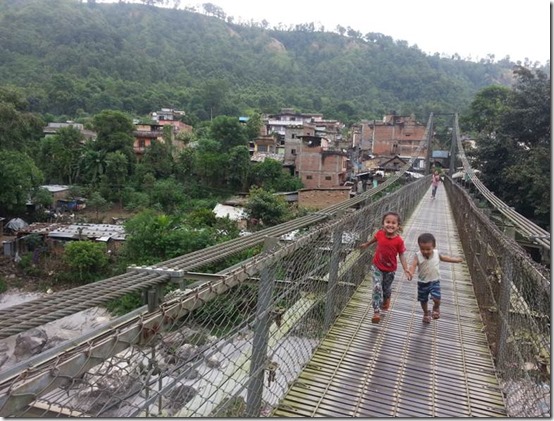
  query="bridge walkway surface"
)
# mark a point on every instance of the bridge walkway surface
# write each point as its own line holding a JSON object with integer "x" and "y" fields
{"x": 403, "y": 367}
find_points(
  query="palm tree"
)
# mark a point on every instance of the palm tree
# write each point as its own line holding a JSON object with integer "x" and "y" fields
{"x": 92, "y": 164}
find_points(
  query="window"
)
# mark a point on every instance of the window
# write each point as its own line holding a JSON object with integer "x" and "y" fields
{"x": 262, "y": 148}
{"x": 293, "y": 151}
{"x": 327, "y": 177}
{"x": 308, "y": 177}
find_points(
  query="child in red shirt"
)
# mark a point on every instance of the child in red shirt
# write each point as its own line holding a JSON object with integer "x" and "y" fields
{"x": 389, "y": 245}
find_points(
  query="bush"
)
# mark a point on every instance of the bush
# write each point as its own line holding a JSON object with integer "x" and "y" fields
{"x": 88, "y": 259}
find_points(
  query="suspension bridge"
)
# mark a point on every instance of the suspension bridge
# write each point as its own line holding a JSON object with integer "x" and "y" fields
{"x": 287, "y": 332}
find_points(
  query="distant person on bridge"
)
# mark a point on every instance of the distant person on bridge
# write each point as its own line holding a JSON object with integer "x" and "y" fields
{"x": 426, "y": 260}
{"x": 389, "y": 245}
{"x": 435, "y": 183}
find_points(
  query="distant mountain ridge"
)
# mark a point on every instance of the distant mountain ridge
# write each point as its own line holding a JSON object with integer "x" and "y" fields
{"x": 73, "y": 59}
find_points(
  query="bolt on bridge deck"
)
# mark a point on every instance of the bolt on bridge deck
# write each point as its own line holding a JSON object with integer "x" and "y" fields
{"x": 403, "y": 367}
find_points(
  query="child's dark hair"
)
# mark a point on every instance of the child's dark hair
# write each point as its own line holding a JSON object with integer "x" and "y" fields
{"x": 426, "y": 238}
{"x": 390, "y": 213}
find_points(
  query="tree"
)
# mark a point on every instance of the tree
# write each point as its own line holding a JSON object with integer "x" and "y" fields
{"x": 19, "y": 130}
{"x": 114, "y": 133}
{"x": 116, "y": 173}
{"x": 264, "y": 206}
{"x": 253, "y": 126}
{"x": 92, "y": 164}
{"x": 528, "y": 119}
{"x": 19, "y": 176}
{"x": 158, "y": 160}
{"x": 97, "y": 203}
{"x": 109, "y": 122}
{"x": 167, "y": 195}
{"x": 513, "y": 143}
{"x": 41, "y": 196}
{"x": 239, "y": 167}
{"x": 486, "y": 110}
{"x": 59, "y": 155}
{"x": 270, "y": 175}
{"x": 210, "y": 163}
{"x": 229, "y": 132}
{"x": 153, "y": 237}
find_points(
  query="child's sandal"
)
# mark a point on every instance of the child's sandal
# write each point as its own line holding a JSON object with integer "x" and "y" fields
{"x": 436, "y": 314}
{"x": 427, "y": 318}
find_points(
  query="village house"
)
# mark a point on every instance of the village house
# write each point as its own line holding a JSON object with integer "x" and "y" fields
{"x": 265, "y": 146}
{"x": 52, "y": 128}
{"x": 293, "y": 143}
{"x": 393, "y": 136}
{"x": 319, "y": 166}
{"x": 55, "y": 235}
{"x": 277, "y": 123}
{"x": 146, "y": 133}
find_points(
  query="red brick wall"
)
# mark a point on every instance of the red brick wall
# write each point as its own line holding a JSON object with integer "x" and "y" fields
{"x": 318, "y": 172}
{"x": 322, "y": 198}
{"x": 406, "y": 137}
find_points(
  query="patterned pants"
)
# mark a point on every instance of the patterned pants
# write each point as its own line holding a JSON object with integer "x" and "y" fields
{"x": 382, "y": 287}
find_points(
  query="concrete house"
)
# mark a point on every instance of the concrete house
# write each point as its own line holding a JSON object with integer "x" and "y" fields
{"x": 146, "y": 133}
{"x": 52, "y": 128}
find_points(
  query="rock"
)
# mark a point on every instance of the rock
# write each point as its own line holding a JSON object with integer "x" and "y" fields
{"x": 29, "y": 343}
{"x": 3, "y": 359}
{"x": 213, "y": 362}
{"x": 189, "y": 372}
{"x": 53, "y": 342}
{"x": 178, "y": 397}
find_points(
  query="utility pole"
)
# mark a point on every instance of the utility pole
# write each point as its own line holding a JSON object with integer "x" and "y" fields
{"x": 430, "y": 128}
{"x": 454, "y": 145}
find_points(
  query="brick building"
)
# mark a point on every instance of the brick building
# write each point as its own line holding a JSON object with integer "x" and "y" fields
{"x": 318, "y": 166}
{"x": 393, "y": 136}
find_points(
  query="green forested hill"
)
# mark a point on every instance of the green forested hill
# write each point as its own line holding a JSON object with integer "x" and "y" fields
{"x": 74, "y": 60}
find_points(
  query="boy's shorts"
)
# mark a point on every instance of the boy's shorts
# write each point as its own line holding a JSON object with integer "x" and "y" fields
{"x": 424, "y": 289}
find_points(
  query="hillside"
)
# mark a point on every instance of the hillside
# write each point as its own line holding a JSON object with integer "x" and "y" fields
{"x": 74, "y": 60}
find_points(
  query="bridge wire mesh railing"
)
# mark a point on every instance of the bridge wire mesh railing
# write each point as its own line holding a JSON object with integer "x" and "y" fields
{"x": 229, "y": 347}
{"x": 513, "y": 293}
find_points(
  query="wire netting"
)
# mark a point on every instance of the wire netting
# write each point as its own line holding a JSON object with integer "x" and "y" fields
{"x": 513, "y": 293}
{"x": 228, "y": 347}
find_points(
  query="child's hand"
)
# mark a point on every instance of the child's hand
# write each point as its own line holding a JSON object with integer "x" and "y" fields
{"x": 363, "y": 245}
{"x": 409, "y": 275}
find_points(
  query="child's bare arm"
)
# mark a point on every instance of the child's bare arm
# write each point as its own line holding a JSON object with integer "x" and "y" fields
{"x": 413, "y": 266}
{"x": 445, "y": 258}
{"x": 405, "y": 266}
{"x": 368, "y": 243}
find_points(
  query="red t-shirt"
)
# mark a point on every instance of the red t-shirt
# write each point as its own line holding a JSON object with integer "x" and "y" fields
{"x": 386, "y": 251}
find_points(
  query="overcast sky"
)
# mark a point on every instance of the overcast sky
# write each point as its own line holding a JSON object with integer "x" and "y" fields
{"x": 476, "y": 28}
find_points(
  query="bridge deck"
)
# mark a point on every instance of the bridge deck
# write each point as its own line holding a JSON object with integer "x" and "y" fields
{"x": 403, "y": 367}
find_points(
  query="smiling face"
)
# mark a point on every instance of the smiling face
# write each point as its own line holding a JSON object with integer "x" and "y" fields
{"x": 390, "y": 225}
{"x": 426, "y": 249}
